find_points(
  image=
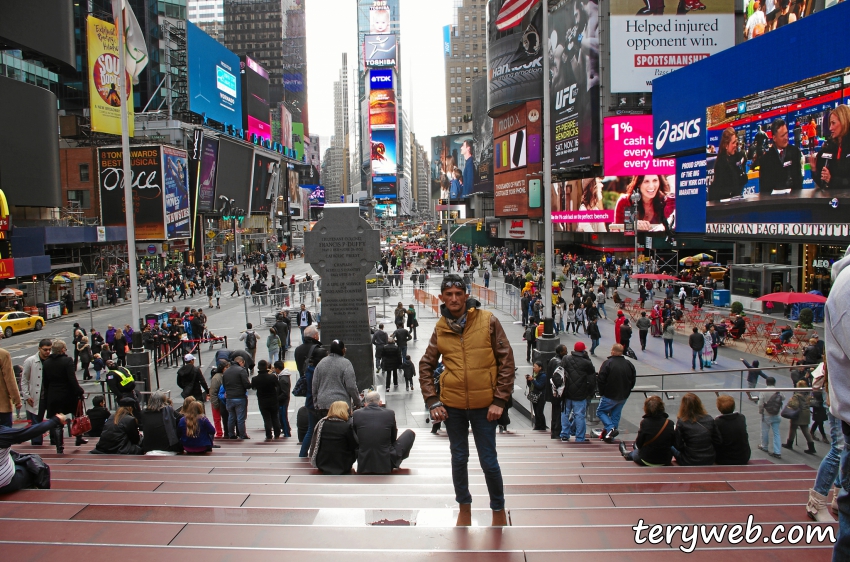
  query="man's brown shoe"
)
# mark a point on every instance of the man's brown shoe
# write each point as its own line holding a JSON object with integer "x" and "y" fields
{"x": 500, "y": 518}
{"x": 464, "y": 517}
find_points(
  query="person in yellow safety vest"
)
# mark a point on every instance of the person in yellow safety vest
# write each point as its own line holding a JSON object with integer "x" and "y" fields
{"x": 120, "y": 381}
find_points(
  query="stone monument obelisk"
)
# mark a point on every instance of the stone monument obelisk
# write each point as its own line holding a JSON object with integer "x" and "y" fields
{"x": 342, "y": 248}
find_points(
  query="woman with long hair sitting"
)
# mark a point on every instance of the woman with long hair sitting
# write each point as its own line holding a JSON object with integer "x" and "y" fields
{"x": 196, "y": 431}
{"x": 120, "y": 435}
{"x": 333, "y": 449}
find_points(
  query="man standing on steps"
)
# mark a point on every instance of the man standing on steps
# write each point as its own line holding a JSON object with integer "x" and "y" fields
{"x": 616, "y": 380}
{"x": 477, "y": 382}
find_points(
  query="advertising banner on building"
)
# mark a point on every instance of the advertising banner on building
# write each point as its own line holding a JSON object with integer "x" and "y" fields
{"x": 317, "y": 197}
{"x": 579, "y": 206}
{"x": 647, "y": 43}
{"x": 176, "y": 183}
{"x": 255, "y": 99}
{"x": 381, "y": 79}
{"x": 771, "y": 160}
{"x": 215, "y": 87}
{"x": 628, "y": 147}
{"x": 263, "y": 183}
{"x": 574, "y": 86}
{"x": 206, "y": 175}
{"x": 447, "y": 41}
{"x": 448, "y": 154}
{"x": 380, "y": 50}
{"x": 382, "y": 109}
{"x": 383, "y": 152}
{"x": 515, "y": 60}
{"x": 103, "y": 79}
{"x": 518, "y": 162}
{"x": 690, "y": 194}
{"x": 482, "y": 142}
{"x": 147, "y": 186}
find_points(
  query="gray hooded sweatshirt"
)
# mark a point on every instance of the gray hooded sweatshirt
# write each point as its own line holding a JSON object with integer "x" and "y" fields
{"x": 837, "y": 327}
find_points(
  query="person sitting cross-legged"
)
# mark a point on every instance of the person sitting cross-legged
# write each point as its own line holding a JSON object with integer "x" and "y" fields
{"x": 655, "y": 437}
{"x": 381, "y": 449}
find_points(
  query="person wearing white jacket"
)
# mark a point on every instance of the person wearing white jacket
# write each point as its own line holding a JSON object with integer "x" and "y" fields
{"x": 31, "y": 385}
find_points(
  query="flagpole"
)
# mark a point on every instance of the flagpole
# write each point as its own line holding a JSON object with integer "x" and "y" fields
{"x": 128, "y": 177}
{"x": 548, "y": 241}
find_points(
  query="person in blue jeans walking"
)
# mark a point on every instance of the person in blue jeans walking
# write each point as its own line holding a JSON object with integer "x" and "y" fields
{"x": 579, "y": 385}
{"x": 476, "y": 384}
{"x": 236, "y": 385}
{"x": 828, "y": 475}
{"x": 616, "y": 380}
{"x": 600, "y": 302}
{"x": 770, "y": 404}
{"x": 595, "y": 335}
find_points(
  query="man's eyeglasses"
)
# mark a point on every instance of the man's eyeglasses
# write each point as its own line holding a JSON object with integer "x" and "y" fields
{"x": 46, "y": 348}
{"x": 456, "y": 284}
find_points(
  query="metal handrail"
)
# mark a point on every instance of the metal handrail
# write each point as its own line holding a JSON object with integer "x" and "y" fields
{"x": 729, "y": 370}
{"x": 728, "y": 390}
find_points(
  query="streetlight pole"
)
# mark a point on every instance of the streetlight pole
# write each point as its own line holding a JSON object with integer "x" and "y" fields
{"x": 635, "y": 201}
{"x": 548, "y": 240}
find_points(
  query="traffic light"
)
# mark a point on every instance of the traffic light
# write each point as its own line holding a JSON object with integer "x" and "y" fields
{"x": 439, "y": 228}
{"x": 478, "y": 226}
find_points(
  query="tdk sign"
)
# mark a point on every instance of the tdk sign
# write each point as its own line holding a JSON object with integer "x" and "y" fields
{"x": 381, "y": 78}
{"x": 675, "y": 133}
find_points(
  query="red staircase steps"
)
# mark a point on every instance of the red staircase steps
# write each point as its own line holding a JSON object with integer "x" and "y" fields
{"x": 258, "y": 499}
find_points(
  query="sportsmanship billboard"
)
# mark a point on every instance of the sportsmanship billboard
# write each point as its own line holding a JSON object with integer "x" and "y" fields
{"x": 628, "y": 147}
{"x": 215, "y": 88}
{"x": 206, "y": 175}
{"x": 647, "y": 43}
{"x": 515, "y": 60}
{"x": 574, "y": 86}
{"x": 176, "y": 193}
{"x": 518, "y": 162}
{"x": 255, "y": 99}
{"x": 773, "y": 165}
{"x": 380, "y": 50}
{"x": 103, "y": 79}
{"x": 147, "y": 189}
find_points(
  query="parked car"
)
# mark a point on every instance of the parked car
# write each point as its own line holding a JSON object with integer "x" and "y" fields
{"x": 717, "y": 272}
{"x": 14, "y": 322}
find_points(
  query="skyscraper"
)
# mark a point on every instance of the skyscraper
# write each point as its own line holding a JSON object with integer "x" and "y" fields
{"x": 466, "y": 60}
{"x": 209, "y": 16}
{"x": 336, "y": 180}
{"x": 254, "y": 28}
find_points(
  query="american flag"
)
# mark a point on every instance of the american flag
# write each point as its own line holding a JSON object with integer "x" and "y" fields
{"x": 512, "y": 13}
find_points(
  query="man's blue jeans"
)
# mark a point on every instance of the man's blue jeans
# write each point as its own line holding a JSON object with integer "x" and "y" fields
{"x": 484, "y": 433}
{"x": 696, "y": 357}
{"x": 594, "y": 345}
{"x": 831, "y": 463}
{"x": 601, "y": 307}
{"x": 237, "y": 412}
{"x": 578, "y": 426}
{"x": 609, "y": 412}
{"x": 6, "y": 419}
{"x": 311, "y": 425}
{"x": 668, "y": 348}
{"x": 770, "y": 425}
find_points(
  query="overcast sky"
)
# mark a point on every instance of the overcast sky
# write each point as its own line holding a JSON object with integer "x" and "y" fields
{"x": 332, "y": 30}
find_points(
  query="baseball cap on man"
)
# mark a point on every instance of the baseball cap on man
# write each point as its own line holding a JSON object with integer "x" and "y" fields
{"x": 188, "y": 357}
{"x": 579, "y": 346}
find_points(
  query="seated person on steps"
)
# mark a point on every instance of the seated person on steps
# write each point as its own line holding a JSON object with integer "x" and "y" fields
{"x": 381, "y": 449}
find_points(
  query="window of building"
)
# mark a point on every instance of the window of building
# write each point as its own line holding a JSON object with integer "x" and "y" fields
{"x": 79, "y": 197}
{"x": 474, "y": 69}
{"x": 468, "y": 80}
{"x": 467, "y": 69}
{"x": 84, "y": 172}
{"x": 465, "y": 18}
{"x": 468, "y": 100}
{"x": 468, "y": 108}
{"x": 454, "y": 120}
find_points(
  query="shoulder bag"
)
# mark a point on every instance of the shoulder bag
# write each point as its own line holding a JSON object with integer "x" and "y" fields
{"x": 81, "y": 423}
{"x": 790, "y": 412}
{"x": 660, "y": 431}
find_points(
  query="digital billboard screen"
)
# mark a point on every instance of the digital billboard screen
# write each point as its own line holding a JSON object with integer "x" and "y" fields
{"x": 380, "y": 50}
{"x": 386, "y": 210}
{"x": 379, "y": 17}
{"x": 263, "y": 183}
{"x": 515, "y": 59}
{"x": 518, "y": 162}
{"x": 628, "y": 147}
{"x": 482, "y": 142}
{"x": 385, "y": 189}
{"x": 317, "y": 197}
{"x": 233, "y": 178}
{"x": 176, "y": 193}
{"x": 147, "y": 188}
{"x": 766, "y": 154}
{"x": 383, "y": 152}
{"x": 206, "y": 175}
{"x": 574, "y": 87}
{"x": 255, "y": 99}
{"x": 381, "y": 79}
{"x": 215, "y": 87}
{"x": 603, "y": 204}
{"x": 448, "y": 153}
{"x": 382, "y": 109}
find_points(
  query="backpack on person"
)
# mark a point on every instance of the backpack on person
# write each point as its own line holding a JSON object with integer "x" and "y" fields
{"x": 250, "y": 340}
{"x": 558, "y": 381}
{"x": 774, "y": 404}
{"x": 222, "y": 393}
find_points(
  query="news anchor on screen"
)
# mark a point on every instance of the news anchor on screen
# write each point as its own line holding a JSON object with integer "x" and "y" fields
{"x": 729, "y": 175}
{"x": 832, "y": 165}
{"x": 782, "y": 165}
{"x": 654, "y": 207}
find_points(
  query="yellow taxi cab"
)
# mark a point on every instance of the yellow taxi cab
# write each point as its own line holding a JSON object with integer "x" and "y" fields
{"x": 14, "y": 322}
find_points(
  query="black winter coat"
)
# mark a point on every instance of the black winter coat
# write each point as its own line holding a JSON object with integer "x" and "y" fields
{"x": 121, "y": 438}
{"x": 593, "y": 331}
{"x": 697, "y": 441}
{"x": 580, "y": 375}
{"x": 337, "y": 449}
{"x": 60, "y": 387}
{"x": 617, "y": 378}
{"x": 391, "y": 357}
{"x": 268, "y": 389}
{"x": 736, "y": 442}
{"x": 657, "y": 452}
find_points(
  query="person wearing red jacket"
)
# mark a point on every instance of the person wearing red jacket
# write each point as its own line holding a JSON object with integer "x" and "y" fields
{"x": 619, "y": 322}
